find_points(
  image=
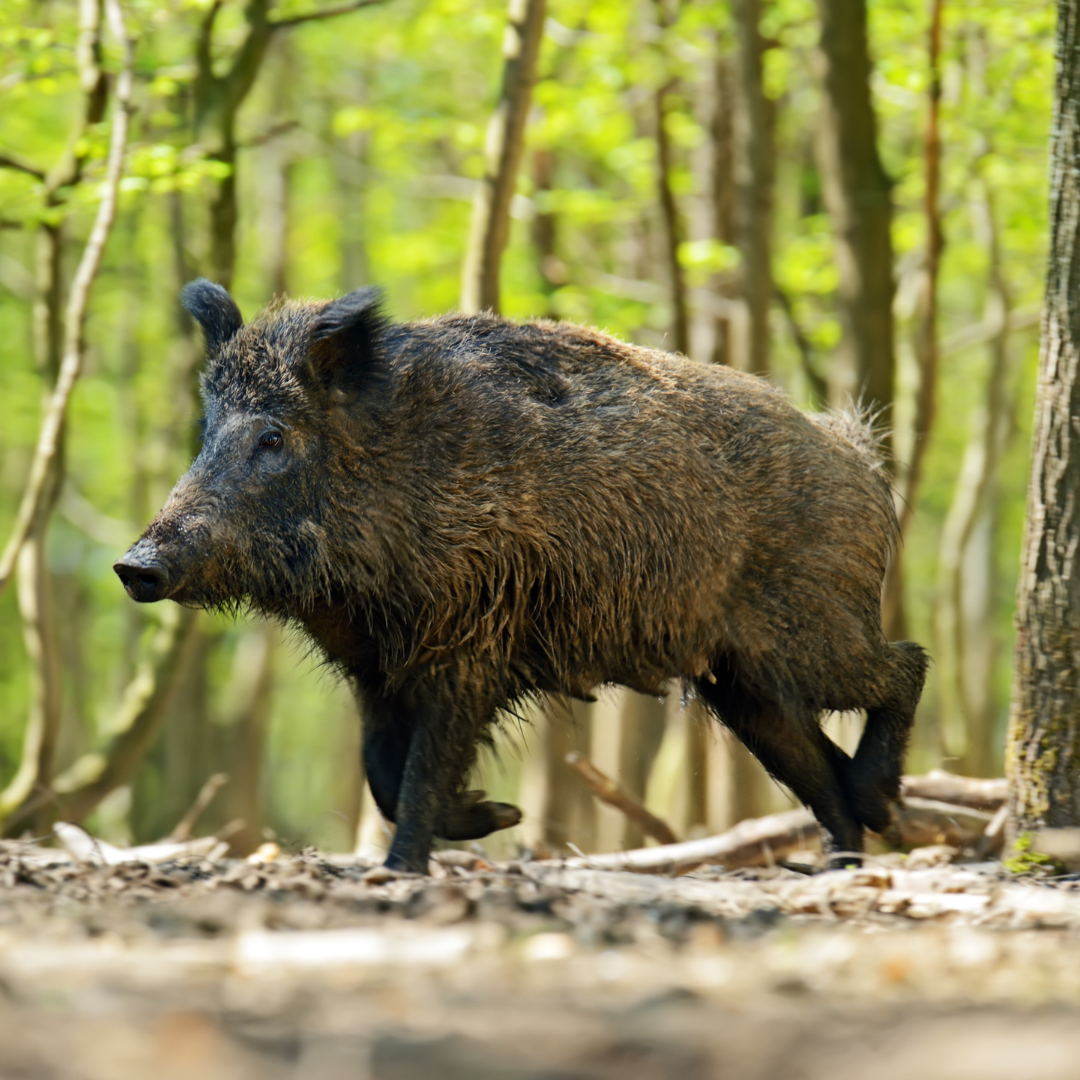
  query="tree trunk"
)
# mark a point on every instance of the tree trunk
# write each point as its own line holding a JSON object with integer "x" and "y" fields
{"x": 669, "y": 215}
{"x": 1043, "y": 745}
{"x": 552, "y": 270}
{"x": 568, "y": 813}
{"x": 502, "y": 158}
{"x": 755, "y": 167}
{"x": 856, "y": 192}
{"x": 35, "y": 582}
{"x": 963, "y": 623}
{"x": 243, "y": 796}
{"x": 722, "y": 191}
{"x": 909, "y": 475}
{"x": 35, "y": 585}
{"x": 641, "y": 730}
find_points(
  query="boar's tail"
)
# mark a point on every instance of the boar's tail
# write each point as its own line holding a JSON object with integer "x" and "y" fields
{"x": 858, "y": 426}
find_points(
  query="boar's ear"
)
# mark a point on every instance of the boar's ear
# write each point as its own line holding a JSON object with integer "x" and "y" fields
{"x": 345, "y": 351}
{"x": 213, "y": 309}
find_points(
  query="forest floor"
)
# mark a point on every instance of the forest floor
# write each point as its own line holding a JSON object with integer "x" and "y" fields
{"x": 306, "y": 966}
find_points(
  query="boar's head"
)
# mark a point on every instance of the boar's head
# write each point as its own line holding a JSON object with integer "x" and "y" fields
{"x": 247, "y": 522}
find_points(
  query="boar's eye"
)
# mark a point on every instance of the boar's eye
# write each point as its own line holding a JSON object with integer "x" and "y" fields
{"x": 270, "y": 440}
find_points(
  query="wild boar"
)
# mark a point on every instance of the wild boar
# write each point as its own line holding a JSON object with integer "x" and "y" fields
{"x": 466, "y": 512}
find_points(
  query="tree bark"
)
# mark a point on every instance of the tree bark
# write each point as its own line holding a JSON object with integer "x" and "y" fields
{"x": 755, "y": 168}
{"x": 856, "y": 192}
{"x": 669, "y": 216}
{"x": 502, "y": 158}
{"x": 1043, "y": 748}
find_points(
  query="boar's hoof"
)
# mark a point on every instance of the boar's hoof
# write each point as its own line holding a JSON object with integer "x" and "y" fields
{"x": 473, "y": 817}
{"x": 844, "y": 860}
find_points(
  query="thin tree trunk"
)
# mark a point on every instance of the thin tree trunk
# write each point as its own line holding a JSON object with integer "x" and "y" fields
{"x": 856, "y": 193}
{"x": 723, "y": 191}
{"x": 755, "y": 167}
{"x": 34, "y": 580}
{"x": 957, "y": 650}
{"x": 544, "y": 231}
{"x": 926, "y": 344}
{"x": 568, "y": 814}
{"x": 502, "y": 158}
{"x": 641, "y": 731}
{"x": 248, "y": 744}
{"x": 669, "y": 215}
{"x": 60, "y": 355}
{"x": 1043, "y": 747}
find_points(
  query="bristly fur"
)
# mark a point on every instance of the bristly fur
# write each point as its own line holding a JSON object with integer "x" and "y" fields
{"x": 469, "y": 511}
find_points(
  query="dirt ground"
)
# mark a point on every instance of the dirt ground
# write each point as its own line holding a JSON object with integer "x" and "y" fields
{"x": 304, "y": 967}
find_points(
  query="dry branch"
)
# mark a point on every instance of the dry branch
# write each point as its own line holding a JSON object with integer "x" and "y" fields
{"x": 755, "y": 842}
{"x": 614, "y": 794}
{"x": 924, "y": 822}
{"x": 324, "y": 13}
{"x": 205, "y": 797}
{"x": 9, "y": 162}
{"x": 71, "y": 365}
{"x": 767, "y": 840}
{"x": 967, "y": 791}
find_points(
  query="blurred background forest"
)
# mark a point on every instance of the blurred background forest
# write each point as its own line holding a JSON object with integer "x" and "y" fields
{"x": 716, "y": 177}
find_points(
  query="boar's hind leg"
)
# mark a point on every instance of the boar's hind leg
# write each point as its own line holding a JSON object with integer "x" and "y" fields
{"x": 872, "y": 778}
{"x": 791, "y": 745}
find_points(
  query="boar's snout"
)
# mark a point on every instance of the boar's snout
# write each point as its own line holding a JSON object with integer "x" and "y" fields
{"x": 144, "y": 579}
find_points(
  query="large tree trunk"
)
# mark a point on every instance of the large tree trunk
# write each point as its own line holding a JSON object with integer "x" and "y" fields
{"x": 1044, "y": 727}
{"x": 755, "y": 167}
{"x": 502, "y": 158}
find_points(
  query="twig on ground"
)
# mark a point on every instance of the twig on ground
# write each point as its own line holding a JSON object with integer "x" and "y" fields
{"x": 768, "y": 840}
{"x": 750, "y": 843}
{"x": 614, "y": 794}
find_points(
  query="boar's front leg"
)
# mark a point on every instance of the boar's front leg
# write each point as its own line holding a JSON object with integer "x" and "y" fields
{"x": 441, "y": 750}
{"x": 394, "y": 736}
{"x": 388, "y": 732}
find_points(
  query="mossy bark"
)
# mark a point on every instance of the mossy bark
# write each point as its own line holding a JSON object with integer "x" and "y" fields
{"x": 1043, "y": 748}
